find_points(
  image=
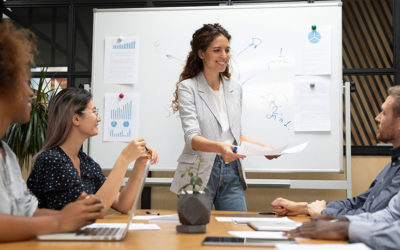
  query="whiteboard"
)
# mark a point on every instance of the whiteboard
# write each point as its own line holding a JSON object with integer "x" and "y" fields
{"x": 263, "y": 46}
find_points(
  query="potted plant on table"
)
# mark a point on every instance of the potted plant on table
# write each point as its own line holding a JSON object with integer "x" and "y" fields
{"x": 193, "y": 205}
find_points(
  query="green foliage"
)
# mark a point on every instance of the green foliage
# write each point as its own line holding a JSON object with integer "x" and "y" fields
{"x": 27, "y": 139}
{"x": 195, "y": 182}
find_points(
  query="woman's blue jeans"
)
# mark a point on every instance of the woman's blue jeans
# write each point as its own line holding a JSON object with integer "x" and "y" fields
{"x": 224, "y": 186}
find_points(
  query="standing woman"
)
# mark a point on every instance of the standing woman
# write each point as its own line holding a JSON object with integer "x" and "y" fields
{"x": 210, "y": 106}
{"x": 20, "y": 218}
{"x": 62, "y": 170}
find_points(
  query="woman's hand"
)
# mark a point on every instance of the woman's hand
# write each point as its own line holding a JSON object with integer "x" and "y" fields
{"x": 82, "y": 212}
{"x": 152, "y": 155}
{"x": 135, "y": 149}
{"x": 226, "y": 151}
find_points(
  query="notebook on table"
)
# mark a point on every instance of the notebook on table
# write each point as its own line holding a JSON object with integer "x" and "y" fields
{"x": 100, "y": 231}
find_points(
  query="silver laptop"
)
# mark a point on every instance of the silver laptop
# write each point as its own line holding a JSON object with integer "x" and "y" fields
{"x": 100, "y": 231}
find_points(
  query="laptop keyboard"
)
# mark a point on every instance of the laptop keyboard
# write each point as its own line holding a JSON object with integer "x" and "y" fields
{"x": 99, "y": 231}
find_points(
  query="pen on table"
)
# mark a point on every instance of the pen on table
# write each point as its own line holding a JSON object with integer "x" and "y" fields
{"x": 152, "y": 213}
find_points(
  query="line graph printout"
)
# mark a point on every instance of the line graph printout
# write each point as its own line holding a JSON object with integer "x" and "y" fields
{"x": 121, "y": 117}
{"x": 121, "y": 60}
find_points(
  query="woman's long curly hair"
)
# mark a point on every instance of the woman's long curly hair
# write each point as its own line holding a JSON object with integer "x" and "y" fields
{"x": 201, "y": 39}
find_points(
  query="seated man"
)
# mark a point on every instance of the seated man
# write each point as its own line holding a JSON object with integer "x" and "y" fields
{"x": 382, "y": 189}
{"x": 379, "y": 230}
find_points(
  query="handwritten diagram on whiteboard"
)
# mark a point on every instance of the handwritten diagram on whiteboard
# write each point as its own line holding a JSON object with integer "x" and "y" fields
{"x": 121, "y": 118}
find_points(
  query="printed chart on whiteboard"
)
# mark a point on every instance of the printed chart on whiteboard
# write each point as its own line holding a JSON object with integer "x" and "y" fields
{"x": 121, "y": 118}
{"x": 121, "y": 60}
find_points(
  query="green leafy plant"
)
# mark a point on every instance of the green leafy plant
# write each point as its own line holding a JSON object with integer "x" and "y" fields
{"x": 195, "y": 182}
{"x": 27, "y": 139}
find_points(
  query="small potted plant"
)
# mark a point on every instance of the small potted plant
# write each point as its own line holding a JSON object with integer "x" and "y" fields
{"x": 193, "y": 205}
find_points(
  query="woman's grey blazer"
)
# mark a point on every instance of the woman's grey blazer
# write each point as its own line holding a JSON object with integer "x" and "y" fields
{"x": 199, "y": 117}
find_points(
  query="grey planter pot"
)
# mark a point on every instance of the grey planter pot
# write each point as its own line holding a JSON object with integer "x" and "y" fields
{"x": 194, "y": 213}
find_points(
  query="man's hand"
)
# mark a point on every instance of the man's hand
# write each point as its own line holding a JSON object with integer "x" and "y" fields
{"x": 283, "y": 206}
{"x": 77, "y": 214}
{"x": 321, "y": 229}
{"x": 329, "y": 217}
{"x": 315, "y": 208}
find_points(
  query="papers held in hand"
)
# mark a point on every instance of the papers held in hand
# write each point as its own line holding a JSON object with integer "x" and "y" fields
{"x": 248, "y": 149}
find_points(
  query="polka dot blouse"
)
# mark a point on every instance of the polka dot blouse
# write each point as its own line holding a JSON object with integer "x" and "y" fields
{"x": 55, "y": 181}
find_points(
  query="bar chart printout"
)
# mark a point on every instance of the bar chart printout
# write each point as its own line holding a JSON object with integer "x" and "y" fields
{"x": 121, "y": 117}
{"x": 121, "y": 60}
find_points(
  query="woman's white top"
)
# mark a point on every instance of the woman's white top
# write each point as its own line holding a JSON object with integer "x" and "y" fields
{"x": 219, "y": 102}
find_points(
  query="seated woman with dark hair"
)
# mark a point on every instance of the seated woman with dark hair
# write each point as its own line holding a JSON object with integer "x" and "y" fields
{"x": 62, "y": 170}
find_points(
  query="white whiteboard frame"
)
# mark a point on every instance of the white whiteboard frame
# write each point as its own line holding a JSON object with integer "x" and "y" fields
{"x": 270, "y": 5}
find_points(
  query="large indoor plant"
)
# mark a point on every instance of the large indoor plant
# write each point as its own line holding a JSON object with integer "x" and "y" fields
{"x": 193, "y": 205}
{"x": 27, "y": 139}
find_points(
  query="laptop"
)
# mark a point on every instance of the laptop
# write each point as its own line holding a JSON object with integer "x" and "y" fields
{"x": 100, "y": 231}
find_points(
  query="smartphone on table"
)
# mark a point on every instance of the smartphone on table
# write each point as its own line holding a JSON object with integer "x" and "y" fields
{"x": 235, "y": 241}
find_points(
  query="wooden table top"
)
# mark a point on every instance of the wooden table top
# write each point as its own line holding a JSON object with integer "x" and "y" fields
{"x": 164, "y": 239}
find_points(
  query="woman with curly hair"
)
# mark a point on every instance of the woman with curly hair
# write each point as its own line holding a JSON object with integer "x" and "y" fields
{"x": 20, "y": 218}
{"x": 210, "y": 106}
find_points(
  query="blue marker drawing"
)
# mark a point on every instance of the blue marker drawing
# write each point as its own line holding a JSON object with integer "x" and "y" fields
{"x": 276, "y": 113}
{"x": 281, "y": 60}
{"x": 171, "y": 57}
{"x": 126, "y": 124}
{"x": 314, "y": 37}
{"x": 113, "y": 124}
{"x": 249, "y": 78}
{"x": 254, "y": 44}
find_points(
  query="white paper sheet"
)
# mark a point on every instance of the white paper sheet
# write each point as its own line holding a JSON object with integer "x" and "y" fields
{"x": 245, "y": 220}
{"x": 121, "y": 60}
{"x": 143, "y": 217}
{"x": 313, "y": 50}
{"x": 158, "y": 218}
{"x": 121, "y": 117}
{"x": 258, "y": 234}
{"x": 142, "y": 226}
{"x": 249, "y": 149}
{"x": 357, "y": 246}
{"x": 312, "y": 109}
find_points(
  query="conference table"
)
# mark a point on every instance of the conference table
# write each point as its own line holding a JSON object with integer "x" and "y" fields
{"x": 164, "y": 239}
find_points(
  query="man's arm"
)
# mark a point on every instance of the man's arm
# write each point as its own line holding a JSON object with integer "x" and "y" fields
{"x": 388, "y": 215}
{"x": 283, "y": 206}
{"x": 376, "y": 235}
